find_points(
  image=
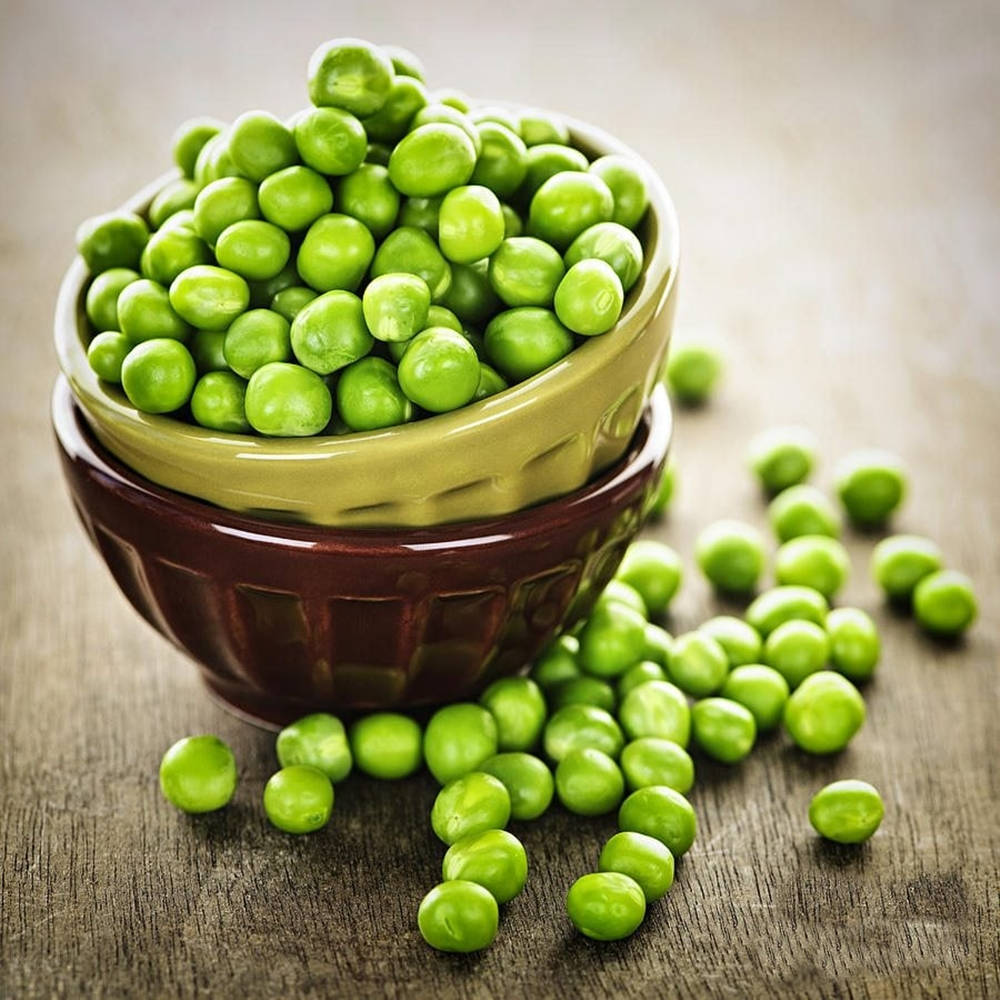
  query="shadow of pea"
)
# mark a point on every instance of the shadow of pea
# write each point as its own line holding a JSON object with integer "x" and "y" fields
{"x": 829, "y": 855}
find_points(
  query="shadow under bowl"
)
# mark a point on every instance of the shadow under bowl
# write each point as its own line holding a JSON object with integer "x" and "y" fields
{"x": 539, "y": 439}
{"x": 287, "y": 619}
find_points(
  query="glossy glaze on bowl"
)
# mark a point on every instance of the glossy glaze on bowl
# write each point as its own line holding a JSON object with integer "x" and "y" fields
{"x": 288, "y": 619}
{"x": 540, "y": 439}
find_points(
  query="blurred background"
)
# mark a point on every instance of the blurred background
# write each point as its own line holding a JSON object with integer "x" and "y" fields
{"x": 836, "y": 169}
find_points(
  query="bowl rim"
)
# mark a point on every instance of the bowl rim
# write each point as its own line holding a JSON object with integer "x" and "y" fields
{"x": 654, "y": 287}
{"x": 647, "y": 450}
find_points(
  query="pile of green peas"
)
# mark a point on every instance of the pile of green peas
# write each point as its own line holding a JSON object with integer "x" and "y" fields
{"x": 386, "y": 254}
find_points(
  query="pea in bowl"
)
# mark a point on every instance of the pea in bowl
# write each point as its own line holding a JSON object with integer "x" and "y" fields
{"x": 542, "y": 438}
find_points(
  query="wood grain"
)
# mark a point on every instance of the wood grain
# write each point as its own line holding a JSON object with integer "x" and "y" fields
{"x": 835, "y": 169}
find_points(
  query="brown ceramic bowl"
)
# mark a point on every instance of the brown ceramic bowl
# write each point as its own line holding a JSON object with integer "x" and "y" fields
{"x": 285, "y": 619}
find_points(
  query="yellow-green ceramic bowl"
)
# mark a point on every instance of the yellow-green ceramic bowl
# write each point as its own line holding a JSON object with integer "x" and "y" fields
{"x": 538, "y": 440}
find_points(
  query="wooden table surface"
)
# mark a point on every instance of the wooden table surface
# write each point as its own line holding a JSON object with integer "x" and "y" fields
{"x": 836, "y": 172}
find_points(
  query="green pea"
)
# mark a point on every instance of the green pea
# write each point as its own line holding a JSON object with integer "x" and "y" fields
{"x": 458, "y": 916}
{"x": 624, "y": 179}
{"x": 255, "y": 339}
{"x": 647, "y": 670}
{"x": 470, "y": 295}
{"x": 589, "y": 782}
{"x": 589, "y": 298}
{"x": 660, "y": 812}
{"x": 643, "y": 859}
{"x": 318, "y": 740}
{"x": 723, "y": 729}
{"x": 761, "y": 690}
{"x": 209, "y": 298}
{"x": 655, "y": 571}
{"x": 404, "y": 62}
{"x": 538, "y": 127}
{"x": 854, "y": 642}
{"x": 606, "y": 906}
{"x": 494, "y": 859}
{"x": 656, "y": 708}
{"x": 944, "y": 603}
{"x": 331, "y": 141}
{"x": 289, "y": 302}
{"x": 189, "y": 139}
{"x": 335, "y": 253}
{"x": 501, "y": 165}
{"x": 797, "y": 649}
{"x": 207, "y": 347}
{"x": 367, "y": 195}
{"x": 528, "y": 782}
{"x": 351, "y": 74}
{"x": 286, "y": 400}
{"x": 658, "y": 643}
{"x": 396, "y": 306}
{"x": 431, "y": 160}
{"x": 198, "y": 774}
{"x": 525, "y": 271}
{"x": 458, "y": 739}
{"x": 158, "y": 375}
{"x": 182, "y": 219}
{"x": 471, "y": 224}
{"x": 103, "y": 294}
{"x": 544, "y": 161}
{"x": 731, "y": 555}
{"x": 439, "y": 371}
{"x": 567, "y": 204}
{"x": 512, "y": 222}
{"x": 115, "y": 239}
{"x": 694, "y": 366}
{"x": 330, "y": 333}
{"x": 440, "y": 316}
{"x": 490, "y": 383}
{"x": 369, "y": 396}
{"x": 583, "y": 691}
{"x": 524, "y": 341}
{"x": 781, "y": 457}
{"x": 803, "y": 510}
{"x": 421, "y": 213}
{"x": 298, "y": 799}
{"x": 739, "y": 641}
{"x": 613, "y": 640}
{"x": 411, "y": 251}
{"x": 106, "y": 355}
{"x": 260, "y": 145}
{"x": 557, "y": 663}
{"x": 782, "y": 604}
{"x": 871, "y": 485}
{"x": 900, "y": 562}
{"x": 175, "y": 196}
{"x": 823, "y": 714}
{"x": 171, "y": 251}
{"x": 518, "y": 707}
{"x": 378, "y": 153}
{"x": 623, "y": 593}
{"x": 847, "y": 812}
{"x": 406, "y": 97}
{"x": 214, "y": 162}
{"x": 470, "y": 805}
{"x": 294, "y": 198}
{"x": 651, "y": 760}
{"x": 262, "y": 293}
{"x": 615, "y": 245}
{"x": 814, "y": 561}
{"x": 218, "y": 403}
{"x": 253, "y": 249}
{"x": 698, "y": 664}
{"x": 387, "y": 745}
{"x": 577, "y": 726}
{"x": 223, "y": 202}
